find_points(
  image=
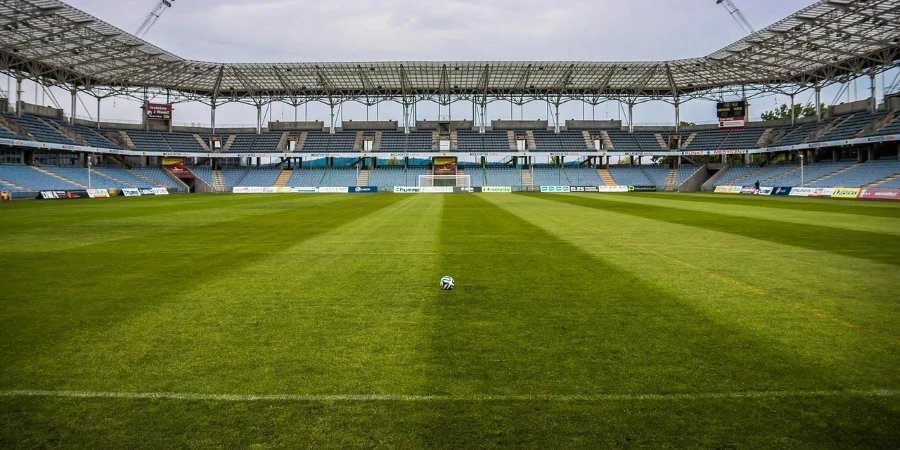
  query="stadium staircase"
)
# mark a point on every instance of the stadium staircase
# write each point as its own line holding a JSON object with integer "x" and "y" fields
{"x": 283, "y": 178}
{"x": 819, "y": 132}
{"x": 301, "y": 141}
{"x": 227, "y": 146}
{"x": 68, "y": 132}
{"x": 689, "y": 139}
{"x": 511, "y": 138}
{"x": 17, "y": 186}
{"x": 779, "y": 175}
{"x": 831, "y": 174}
{"x": 454, "y": 140}
{"x": 15, "y": 128}
{"x": 587, "y": 139}
{"x": 660, "y": 141}
{"x": 872, "y": 184}
{"x": 150, "y": 181}
{"x": 672, "y": 180}
{"x": 219, "y": 180}
{"x": 362, "y": 179}
{"x": 123, "y": 138}
{"x": 376, "y": 145}
{"x": 47, "y": 172}
{"x": 200, "y": 141}
{"x": 714, "y": 180}
{"x": 749, "y": 176}
{"x": 764, "y": 138}
{"x": 607, "y": 177}
{"x": 527, "y": 180}
{"x": 110, "y": 177}
{"x": 282, "y": 143}
{"x": 607, "y": 142}
{"x": 358, "y": 142}
{"x": 877, "y": 125}
{"x": 529, "y": 141}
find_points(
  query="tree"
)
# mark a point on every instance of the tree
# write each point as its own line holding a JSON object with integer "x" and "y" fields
{"x": 685, "y": 123}
{"x": 784, "y": 111}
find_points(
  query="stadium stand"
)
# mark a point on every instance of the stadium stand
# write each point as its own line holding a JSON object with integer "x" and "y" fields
{"x": 565, "y": 141}
{"x": 320, "y": 141}
{"x": 489, "y": 141}
{"x": 810, "y": 173}
{"x": 645, "y": 175}
{"x": 399, "y": 142}
{"x": 495, "y": 175}
{"x": 157, "y": 175}
{"x": 850, "y": 126}
{"x": 32, "y": 179}
{"x": 387, "y": 177}
{"x": 41, "y": 130}
{"x": 204, "y": 173}
{"x": 859, "y": 175}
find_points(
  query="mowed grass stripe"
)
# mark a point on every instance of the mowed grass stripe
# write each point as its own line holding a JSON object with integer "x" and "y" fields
{"x": 67, "y": 296}
{"x": 799, "y": 216}
{"x": 837, "y": 313}
{"x": 549, "y": 324}
{"x": 878, "y": 247}
{"x": 791, "y": 204}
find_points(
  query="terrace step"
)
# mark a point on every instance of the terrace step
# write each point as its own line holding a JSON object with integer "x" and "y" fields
{"x": 607, "y": 142}
{"x": 883, "y": 180}
{"x": 748, "y": 176}
{"x": 511, "y": 138}
{"x": 228, "y": 142}
{"x": 529, "y": 141}
{"x": 283, "y": 178}
{"x": 689, "y": 139}
{"x": 47, "y": 172}
{"x": 17, "y": 186}
{"x": 527, "y": 180}
{"x": 607, "y": 177}
{"x": 831, "y": 174}
{"x": 672, "y": 180}
{"x": 201, "y": 142}
{"x": 661, "y": 141}
{"x": 587, "y": 139}
{"x": 219, "y": 180}
{"x": 362, "y": 179}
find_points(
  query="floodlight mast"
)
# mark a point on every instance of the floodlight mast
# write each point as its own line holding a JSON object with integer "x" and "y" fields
{"x": 152, "y": 17}
{"x": 737, "y": 15}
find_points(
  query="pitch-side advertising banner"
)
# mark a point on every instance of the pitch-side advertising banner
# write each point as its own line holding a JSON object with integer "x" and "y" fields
{"x": 785, "y": 190}
{"x": 496, "y": 189}
{"x": 642, "y": 189}
{"x": 879, "y": 194}
{"x": 62, "y": 195}
{"x": 583, "y": 189}
{"x": 98, "y": 193}
{"x": 766, "y": 190}
{"x": 845, "y": 192}
{"x": 407, "y": 190}
{"x": 130, "y": 192}
{"x": 333, "y": 190}
{"x": 748, "y": 190}
{"x": 304, "y": 190}
{"x": 811, "y": 192}
{"x": 612, "y": 188}
{"x": 555, "y": 189}
{"x": 362, "y": 189}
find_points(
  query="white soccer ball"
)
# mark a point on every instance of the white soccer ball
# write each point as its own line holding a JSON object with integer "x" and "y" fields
{"x": 447, "y": 283}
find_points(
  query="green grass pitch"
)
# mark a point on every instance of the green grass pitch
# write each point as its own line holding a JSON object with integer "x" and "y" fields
{"x": 577, "y": 321}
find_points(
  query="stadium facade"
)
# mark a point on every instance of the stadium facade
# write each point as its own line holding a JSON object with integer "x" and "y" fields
{"x": 829, "y": 42}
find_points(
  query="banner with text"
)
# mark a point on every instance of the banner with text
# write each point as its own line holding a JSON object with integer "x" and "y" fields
{"x": 879, "y": 194}
{"x": 496, "y": 189}
{"x": 556, "y": 189}
{"x": 845, "y": 192}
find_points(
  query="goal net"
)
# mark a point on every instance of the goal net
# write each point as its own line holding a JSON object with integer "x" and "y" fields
{"x": 464, "y": 181}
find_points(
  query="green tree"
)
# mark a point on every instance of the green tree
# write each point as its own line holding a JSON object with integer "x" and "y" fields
{"x": 685, "y": 123}
{"x": 784, "y": 111}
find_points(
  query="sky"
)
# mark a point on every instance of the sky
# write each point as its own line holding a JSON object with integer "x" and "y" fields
{"x": 403, "y": 30}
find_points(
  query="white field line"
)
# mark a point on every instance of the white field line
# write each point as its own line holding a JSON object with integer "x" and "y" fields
{"x": 447, "y": 398}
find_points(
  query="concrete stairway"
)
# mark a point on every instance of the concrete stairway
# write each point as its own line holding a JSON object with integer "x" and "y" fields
{"x": 68, "y": 132}
{"x": 672, "y": 180}
{"x": 529, "y": 141}
{"x": 47, "y": 172}
{"x": 17, "y": 186}
{"x": 511, "y": 138}
{"x": 527, "y": 180}
{"x": 282, "y": 178}
{"x": 587, "y": 139}
{"x": 218, "y": 180}
{"x": 661, "y": 141}
{"x": 750, "y": 176}
{"x": 831, "y": 174}
{"x": 607, "y": 142}
{"x": 282, "y": 142}
{"x": 228, "y": 143}
{"x": 358, "y": 142}
{"x": 882, "y": 180}
{"x": 688, "y": 141}
{"x": 200, "y": 141}
{"x": 607, "y": 177}
{"x": 454, "y": 140}
{"x": 149, "y": 181}
{"x": 362, "y": 179}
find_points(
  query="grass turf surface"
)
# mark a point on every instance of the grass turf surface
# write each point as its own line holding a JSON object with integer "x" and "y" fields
{"x": 577, "y": 321}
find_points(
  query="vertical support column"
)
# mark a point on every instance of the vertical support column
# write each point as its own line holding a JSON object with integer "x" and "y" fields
{"x": 331, "y": 128}
{"x": 98, "y": 112}
{"x": 677, "y": 115}
{"x": 212, "y": 119}
{"x": 74, "y": 105}
{"x": 818, "y": 103}
{"x": 630, "y": 116}
{"x": 873, "y": 104}
{"x": 18, "y": 96}
{"x": 258, "y": 118}
{"x": 871, "y": 156}
{"x": 556, "y": 124}
{"x": 405, "y": 117}
{"x": 482, "y": 112}
{"x": 791, "y": 110}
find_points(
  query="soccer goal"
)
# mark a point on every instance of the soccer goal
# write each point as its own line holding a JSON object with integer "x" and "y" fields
{"x": 463, "y": 181}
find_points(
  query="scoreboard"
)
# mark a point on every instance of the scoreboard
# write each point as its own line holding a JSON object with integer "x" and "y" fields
{"x": 731, "y": 115}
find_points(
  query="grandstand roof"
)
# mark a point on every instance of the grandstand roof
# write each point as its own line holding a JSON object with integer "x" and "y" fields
{"x": 824, "y": 43}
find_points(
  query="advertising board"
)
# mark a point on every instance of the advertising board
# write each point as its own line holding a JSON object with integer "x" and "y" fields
{"x": 641, "y": 188}
{"x": 879, "y": 194}
{"x": 554, "y": 188}
{"x": 496, "y": 189}
{"x": 362, "y": 189}
{"x": 98, "y": 193}
{"x": 584, "y": 189}
{"x": 845, "y": 192}
{"x": 333, "y": 190}
{"x": 612, "y": 188}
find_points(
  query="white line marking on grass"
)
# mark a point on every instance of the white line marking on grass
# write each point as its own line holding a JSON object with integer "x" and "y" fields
{"x": 447, "y": 398}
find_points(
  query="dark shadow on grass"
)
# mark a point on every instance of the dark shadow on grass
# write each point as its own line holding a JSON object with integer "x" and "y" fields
{"x": 826, "y": 205}
{"x": 881, "y": 248}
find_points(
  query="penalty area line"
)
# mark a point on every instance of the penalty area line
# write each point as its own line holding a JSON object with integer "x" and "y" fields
{"x": 446, "y": 398}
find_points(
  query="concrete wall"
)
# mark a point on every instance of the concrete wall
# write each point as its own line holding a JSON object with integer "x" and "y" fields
{"x": 843, "y": 108}
{"x": 314, "y": 125}
{"x": 519, "y": 125}
{"x": 452, "y": 125}
{"x": 593, "y": 124}
{"x": 369, "y": 125}
{"x": 47, "y": 111}
{"x": 695, "y": 181}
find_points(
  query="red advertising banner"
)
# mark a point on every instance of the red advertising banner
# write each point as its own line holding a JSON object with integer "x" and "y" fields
{"x": 879, "y": 194}
{"x": 159, "y": 111}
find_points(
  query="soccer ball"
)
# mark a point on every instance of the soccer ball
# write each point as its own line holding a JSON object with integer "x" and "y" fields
{"x": 447, "y": 283}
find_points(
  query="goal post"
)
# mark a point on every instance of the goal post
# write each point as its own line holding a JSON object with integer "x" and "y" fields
{"x": 463, "y": 181}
